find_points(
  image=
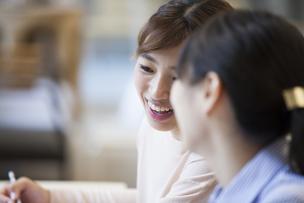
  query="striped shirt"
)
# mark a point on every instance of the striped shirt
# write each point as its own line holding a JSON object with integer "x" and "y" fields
{"x": 267, "y": 178}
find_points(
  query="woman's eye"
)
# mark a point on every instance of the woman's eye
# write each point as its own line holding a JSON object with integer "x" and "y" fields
{"x": 146, "y": 69}
{"x": 174, "y": 77}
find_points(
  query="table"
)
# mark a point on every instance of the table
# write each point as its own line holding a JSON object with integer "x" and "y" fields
{"x": 78, "y": 185}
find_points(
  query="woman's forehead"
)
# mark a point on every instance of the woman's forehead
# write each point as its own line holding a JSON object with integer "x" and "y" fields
{"x": 166, "y": 60}
{"x": 161, "y": 55}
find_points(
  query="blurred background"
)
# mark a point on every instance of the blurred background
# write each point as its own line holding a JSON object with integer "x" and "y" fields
{"x": 68, "y": 108}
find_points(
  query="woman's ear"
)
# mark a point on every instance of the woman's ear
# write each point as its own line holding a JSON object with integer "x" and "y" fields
{"x": 211, "y": 91}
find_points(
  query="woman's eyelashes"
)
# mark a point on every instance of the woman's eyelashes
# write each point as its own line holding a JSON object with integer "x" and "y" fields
{"x": 174, "y": 77}
{"x": 146, "y": 69}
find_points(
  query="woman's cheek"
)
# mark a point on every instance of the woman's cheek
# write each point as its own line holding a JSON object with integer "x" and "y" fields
{"x": 140, "y": 83}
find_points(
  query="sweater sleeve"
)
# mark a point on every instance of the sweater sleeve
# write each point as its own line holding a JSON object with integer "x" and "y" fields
{"x": 93, "y": 196}
{"x": 194, "y": 183}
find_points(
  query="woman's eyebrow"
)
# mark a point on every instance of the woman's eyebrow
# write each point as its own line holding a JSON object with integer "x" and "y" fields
{"x": 149, "y": 57}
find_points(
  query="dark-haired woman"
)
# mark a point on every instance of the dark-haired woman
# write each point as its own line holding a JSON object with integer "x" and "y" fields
{"x": 166, "y": 171}
{"x": 239, "y": 102}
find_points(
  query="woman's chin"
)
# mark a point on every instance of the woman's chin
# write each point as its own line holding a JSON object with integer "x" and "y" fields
{"x": 167, "y": 125}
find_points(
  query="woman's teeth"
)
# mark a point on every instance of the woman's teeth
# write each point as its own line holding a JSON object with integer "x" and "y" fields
{"x": 159, "y": 109}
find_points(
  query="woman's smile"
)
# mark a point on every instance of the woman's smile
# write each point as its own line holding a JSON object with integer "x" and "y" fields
{"x": 158, "y": 111}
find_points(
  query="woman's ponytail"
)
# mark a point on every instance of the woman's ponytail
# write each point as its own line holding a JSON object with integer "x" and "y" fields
{"x": 296, "y": 148}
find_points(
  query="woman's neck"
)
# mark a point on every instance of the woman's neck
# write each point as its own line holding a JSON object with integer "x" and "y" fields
{"x": 176, "y": 134}
{"x": 227, "y": 153}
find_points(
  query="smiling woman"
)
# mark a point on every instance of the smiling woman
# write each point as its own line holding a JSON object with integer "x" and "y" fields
{"x": 166, "y": 171}
{"x": 154, "y": 74}
{"x": 159, "y": 44}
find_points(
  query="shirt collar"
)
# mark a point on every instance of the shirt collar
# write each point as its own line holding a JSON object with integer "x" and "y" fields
{"x": 248, "y": 183}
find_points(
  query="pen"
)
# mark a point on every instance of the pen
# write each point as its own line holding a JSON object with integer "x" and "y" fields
{"x": 12, "y": 179}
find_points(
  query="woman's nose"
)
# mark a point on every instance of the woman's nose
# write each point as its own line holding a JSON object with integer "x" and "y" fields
{"x": 160, "y": 88}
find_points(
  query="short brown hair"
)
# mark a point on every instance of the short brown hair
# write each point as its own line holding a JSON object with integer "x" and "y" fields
{"x": 175, "y": 21}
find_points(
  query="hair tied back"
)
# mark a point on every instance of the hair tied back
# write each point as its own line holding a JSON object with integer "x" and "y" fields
{"x": 294, "y": 98}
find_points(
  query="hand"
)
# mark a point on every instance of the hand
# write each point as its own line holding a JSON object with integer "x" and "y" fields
{"x": 26, "y": 190}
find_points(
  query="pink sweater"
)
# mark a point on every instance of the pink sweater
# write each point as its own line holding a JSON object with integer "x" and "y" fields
{"x": 167, "y": 173}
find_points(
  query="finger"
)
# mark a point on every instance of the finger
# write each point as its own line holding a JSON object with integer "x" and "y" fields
{"x": 7, "y": 194}
{"x": 5, "y": 190}
{"x": 4, "y": 199}
{"x": 16, "y": 189}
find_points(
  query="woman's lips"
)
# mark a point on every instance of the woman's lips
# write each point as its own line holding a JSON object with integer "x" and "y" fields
{"x": 160, "y": 116}
{"x": 158, "y": 112}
